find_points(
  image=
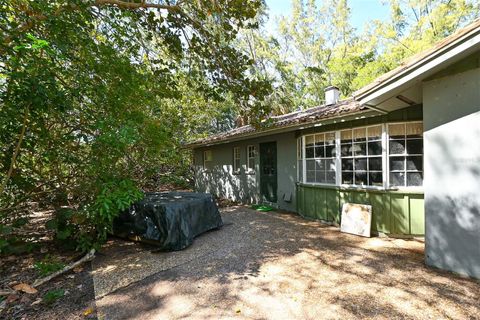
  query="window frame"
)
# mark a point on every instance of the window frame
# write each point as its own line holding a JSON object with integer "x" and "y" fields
{"x": 388, "y": 156}
{"x": 205, "y": 159}
{"x": 385, "y": 159}
{"x": 300, "y": 159}
{"x": 252, "y": 169}
{"x": 236, "y": 166}
{"x": 304, "y": 158}
{"x": 382, "y": 156}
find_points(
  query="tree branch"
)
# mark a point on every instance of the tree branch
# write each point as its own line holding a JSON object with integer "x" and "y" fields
{"x": 137, "y": 5}
{"x": 24, "y": 27}
{"x": 89, "y": 256}
{"x": 16, "y": 152}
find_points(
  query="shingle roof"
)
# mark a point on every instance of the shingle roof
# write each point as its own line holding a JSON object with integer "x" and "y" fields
{"x": 307, "y": 116}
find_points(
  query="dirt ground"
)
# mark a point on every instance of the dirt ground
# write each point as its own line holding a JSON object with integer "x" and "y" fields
{"x": 280, "y": 266}
{"x": 77, "y": 300}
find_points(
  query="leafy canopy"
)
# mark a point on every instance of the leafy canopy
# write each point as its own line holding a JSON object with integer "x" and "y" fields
{"x": 96, "y": 97}
{"x": 315, "y": 45}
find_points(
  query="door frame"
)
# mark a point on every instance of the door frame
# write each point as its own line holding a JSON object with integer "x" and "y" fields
{"x": 261, "y": 154}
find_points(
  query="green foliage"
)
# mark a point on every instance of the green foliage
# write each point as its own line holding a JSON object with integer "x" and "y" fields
{"x": 96, "y": 99}
{"x": 10, "y": 242}
{"x": 48, "y": 265}
{"x": 16, "y": 245}
{"x": 53, "y": 295}
{"x": 316, "y": 46}
{"x": 88, "y": 226}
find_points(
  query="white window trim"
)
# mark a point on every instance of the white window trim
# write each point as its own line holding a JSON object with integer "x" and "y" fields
{"x": 299, "y": 160}
{"x": 205, "y": 158}
{"x": 387, "y": 158}
{"x": 385, "y": 139}
{"x": 362, "y": 186}
{"x": 234, "y": 166}
{"x": 385, "y": 155}
{"x": 251, "y": 170}
{"x": 304, "y": 160}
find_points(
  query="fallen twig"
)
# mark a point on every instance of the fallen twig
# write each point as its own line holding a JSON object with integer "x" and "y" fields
{"x": 6, "y": 292}
{"x": 89, "y": 256}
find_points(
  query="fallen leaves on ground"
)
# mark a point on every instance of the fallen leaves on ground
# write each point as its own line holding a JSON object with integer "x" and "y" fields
{"x": 25, "y": 288}
{"x": 78, "y": 269}
{"x": 88, "y": 312}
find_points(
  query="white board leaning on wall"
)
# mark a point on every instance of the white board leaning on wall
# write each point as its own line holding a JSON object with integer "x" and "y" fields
{"x": 356, "y": 219}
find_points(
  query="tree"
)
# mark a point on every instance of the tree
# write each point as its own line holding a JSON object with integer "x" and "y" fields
{"x": 413, "y": 26}
{"x": 316, "y": 46}
{"x": 94, "y": 94}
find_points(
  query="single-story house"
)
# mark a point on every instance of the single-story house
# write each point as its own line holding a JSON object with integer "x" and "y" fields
{"x": 408, "y": 144}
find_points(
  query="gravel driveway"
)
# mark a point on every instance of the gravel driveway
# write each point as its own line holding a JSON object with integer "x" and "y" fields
{"x": 280, "y": 266}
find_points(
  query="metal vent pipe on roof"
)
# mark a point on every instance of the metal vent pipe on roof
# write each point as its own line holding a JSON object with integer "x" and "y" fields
{"x": 332, "y": 95}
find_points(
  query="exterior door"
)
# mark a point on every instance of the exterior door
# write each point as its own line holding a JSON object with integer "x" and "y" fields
{"x": 268, "y": 171}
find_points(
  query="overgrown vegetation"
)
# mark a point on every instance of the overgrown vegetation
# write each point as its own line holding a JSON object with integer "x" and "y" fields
{"x": 53, "y": 295}
{"x": 97, "y": 96}
{"x": 48, "y": 265}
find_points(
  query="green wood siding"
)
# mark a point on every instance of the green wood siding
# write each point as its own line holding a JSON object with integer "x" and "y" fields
{"x": 393, "y": 212}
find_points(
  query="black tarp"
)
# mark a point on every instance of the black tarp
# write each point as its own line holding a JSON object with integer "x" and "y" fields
{"x": 169, "y": 220}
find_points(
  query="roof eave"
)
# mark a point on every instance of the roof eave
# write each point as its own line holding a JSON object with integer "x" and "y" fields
{"x": 465, "y": 42}
{"x": 277, "y": 130}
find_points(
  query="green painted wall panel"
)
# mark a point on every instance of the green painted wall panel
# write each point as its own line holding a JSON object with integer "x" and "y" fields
{"x": 300, "y": 206}
{"x": 399, "y": 214}
{"x": 320, "y": 207}
{"x": 360, "y": 197}
{"x": 393, "y": 212}
{"x": 417, "y": 221}
{"x": 310, "y": 203}
{"x": 332, "y": 203}
{"x": 379, "y": 219}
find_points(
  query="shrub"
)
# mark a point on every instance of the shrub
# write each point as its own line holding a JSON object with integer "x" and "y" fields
{"x": 48, "y": 265}
{"x": 53, "y": 295}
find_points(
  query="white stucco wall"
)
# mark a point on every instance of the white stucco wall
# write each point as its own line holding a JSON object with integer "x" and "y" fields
{"x": 452, "y": 172}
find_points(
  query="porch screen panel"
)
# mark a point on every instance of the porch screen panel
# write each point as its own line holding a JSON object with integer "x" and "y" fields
{"x": 207, "y": 160}
{"x": 251, "y": 152}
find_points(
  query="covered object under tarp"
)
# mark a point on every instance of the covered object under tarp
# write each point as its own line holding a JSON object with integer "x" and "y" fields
{"x": 169, "y": 220}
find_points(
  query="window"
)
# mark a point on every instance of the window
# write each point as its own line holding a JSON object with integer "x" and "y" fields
{"x": 320, "y": 155}
{"x": 207, "y": 159}
{"x": 361, "y": 154}
{"x": 236, "y": 160}
{"x": 251, "y": 159}
{"x": 300, "y": 159}
{"x": 405, "y": 146}
{"x": 383, "y": 155}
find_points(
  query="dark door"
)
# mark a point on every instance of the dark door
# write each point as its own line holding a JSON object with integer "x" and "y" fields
{"x": 268, "y": 171}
